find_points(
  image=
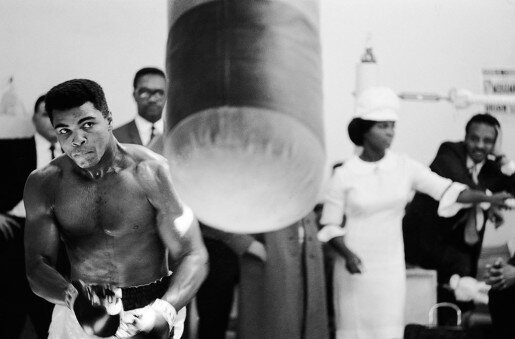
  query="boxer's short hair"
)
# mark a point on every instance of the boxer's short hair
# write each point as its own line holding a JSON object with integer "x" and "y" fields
{"x": 75, "y": 93}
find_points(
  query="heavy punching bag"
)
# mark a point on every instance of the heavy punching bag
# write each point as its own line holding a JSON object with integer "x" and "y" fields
{"x": 244, "y": 131}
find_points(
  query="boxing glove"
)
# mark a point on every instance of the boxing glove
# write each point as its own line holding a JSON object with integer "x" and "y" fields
{"x": 97, "y": 309}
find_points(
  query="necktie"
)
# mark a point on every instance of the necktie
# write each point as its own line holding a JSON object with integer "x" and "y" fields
{"x": 475, "y": 219}
{"x": 52, "y": 151}
{"x": 152, "y": 133}
{"x": 474, "y": 172}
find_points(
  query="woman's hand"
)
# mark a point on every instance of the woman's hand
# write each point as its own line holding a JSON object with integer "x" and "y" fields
{"x": 353, "y": 263}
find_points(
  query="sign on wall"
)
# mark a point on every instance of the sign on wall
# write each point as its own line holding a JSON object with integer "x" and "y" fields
{"x": 499, "y": 81}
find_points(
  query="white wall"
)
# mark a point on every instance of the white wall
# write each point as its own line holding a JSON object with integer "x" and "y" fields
{"x": 421, "y": 45}
{"x": 430, "y": 46}
{"x": 45, "y": 42}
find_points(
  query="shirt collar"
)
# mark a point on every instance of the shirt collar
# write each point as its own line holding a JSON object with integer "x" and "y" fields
{"x": 41, "y": 141}
{"x": 471, "y": 163}
{"x": 145, "y": 129}
{"x": 387, "y": 163}
{"x": 143, "y": 124}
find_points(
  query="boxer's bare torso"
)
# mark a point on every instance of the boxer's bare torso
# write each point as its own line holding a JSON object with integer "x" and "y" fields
{"x": 113, "y": 206}
{"x": 107, "y": 223}
{"x": 115, "y": 209}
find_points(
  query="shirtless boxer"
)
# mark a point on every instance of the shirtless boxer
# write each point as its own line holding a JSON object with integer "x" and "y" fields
{"x": 115, "y": 209}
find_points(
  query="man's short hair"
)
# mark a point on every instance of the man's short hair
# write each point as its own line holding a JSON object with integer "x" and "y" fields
{"x": 40, "y": 100}
{"x": 146, "y": 71}
{"x": 357, "y": 129}
{"x": 483, "y": 118}
{"x": 75, "y": 93}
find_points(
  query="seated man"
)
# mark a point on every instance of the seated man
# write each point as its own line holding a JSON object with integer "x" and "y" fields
{"x": 452, "y": 246}
{"x": 115, "y": 209}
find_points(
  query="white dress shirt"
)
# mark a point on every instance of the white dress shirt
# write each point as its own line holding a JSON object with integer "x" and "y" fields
{"x": 145, "y": 128}
{"x": 474, "y": 168}
{"x": 44, "y": 156}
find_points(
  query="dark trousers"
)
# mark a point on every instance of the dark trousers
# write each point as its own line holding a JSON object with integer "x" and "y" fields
{"x": 215, "y": 296}
{"x": 502, "y": 310}
{"x": 17, "y": 300}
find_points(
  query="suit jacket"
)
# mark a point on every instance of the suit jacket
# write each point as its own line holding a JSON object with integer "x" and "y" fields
{"x": 128, "y": 133}
{"x": 438, "y": 243}
{"x": 285, "y": 296}
{"x": 18, "y": 160}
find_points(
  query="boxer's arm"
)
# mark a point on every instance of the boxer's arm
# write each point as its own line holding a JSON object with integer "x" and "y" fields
{"x": 192, "y": 264}
{"x": 183, "y": 241}
{"x": 42, "y": 240}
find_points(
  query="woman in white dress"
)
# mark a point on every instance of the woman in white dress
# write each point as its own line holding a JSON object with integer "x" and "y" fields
{"x": 372, "y": 189}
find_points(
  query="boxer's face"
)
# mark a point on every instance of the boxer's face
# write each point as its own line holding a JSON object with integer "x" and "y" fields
{"x": 479, "y": 141}
{"x": 150, "y": 96}
{"x": 380, "y": 135}
{"x": 84, "y": 133}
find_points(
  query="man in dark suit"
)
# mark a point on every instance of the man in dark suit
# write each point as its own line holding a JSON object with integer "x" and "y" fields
{"x": 282, "y": 290}
{"x": 150, "y": 96}
{"x": 18, "y": 160}
{"x": 451, "y": 246}
{"x": 21, "y": 156}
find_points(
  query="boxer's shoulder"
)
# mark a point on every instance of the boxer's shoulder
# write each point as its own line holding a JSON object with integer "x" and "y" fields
{"x": 41, "y": 183}
{"x": 145, "y": 161}
{"x": 140, "y": 154}
{"x": 46, "y": 174}
{"x": 152, "y": 173}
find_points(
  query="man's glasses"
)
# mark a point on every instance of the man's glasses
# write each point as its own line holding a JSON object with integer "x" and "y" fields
{"x": 145, "y": 93}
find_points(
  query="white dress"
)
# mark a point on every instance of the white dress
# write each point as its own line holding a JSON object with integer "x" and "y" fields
{"x": 373, "y": 195}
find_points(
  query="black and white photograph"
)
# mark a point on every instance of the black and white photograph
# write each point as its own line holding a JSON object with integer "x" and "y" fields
{"x": 257, "y": 169}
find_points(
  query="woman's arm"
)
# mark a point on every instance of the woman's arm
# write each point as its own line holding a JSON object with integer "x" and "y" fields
{"x": 474, "y": 196}
{"x": 452, "y": 195}
{"x": 352, "y": 261}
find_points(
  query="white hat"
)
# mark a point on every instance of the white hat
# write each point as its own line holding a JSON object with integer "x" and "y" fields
{"x": 377, "y": 104}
